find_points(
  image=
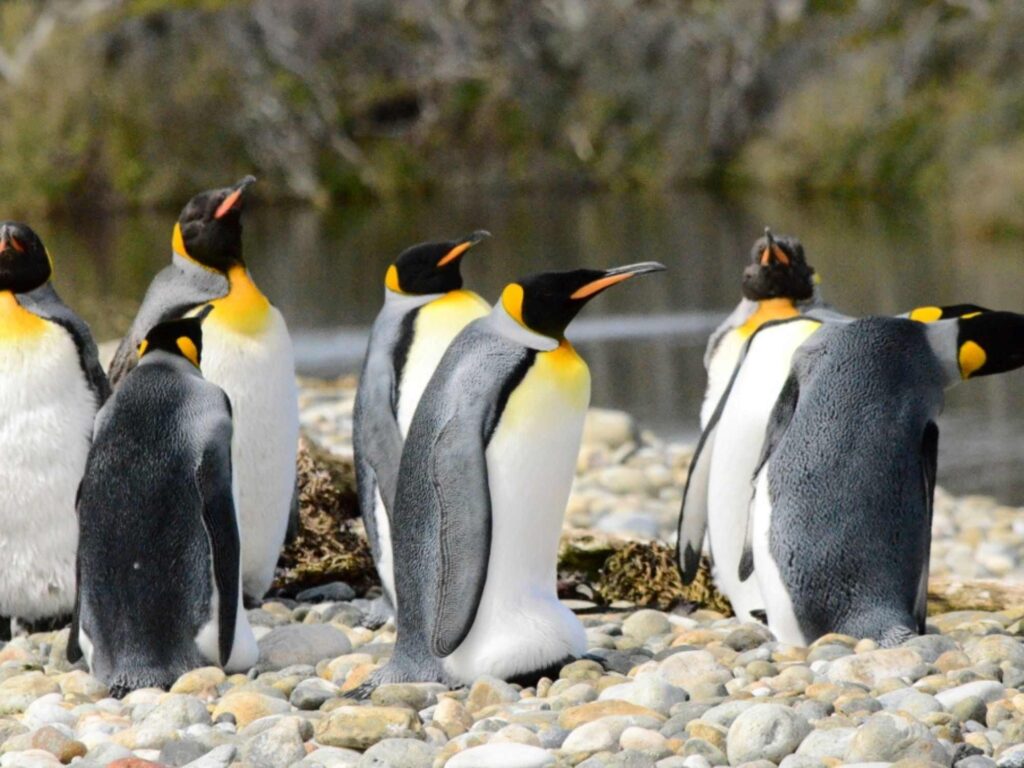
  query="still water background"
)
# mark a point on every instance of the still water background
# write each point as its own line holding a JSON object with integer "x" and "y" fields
{"x": 644, "y": 341}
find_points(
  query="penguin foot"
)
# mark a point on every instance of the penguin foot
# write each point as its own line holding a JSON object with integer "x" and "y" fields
{"x": 428, "y": 672}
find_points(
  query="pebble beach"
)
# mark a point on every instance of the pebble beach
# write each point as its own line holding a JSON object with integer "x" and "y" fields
{"x": 661, "y": 689}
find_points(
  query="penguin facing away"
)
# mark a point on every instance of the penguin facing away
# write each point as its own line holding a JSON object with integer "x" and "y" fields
{"x": 720, "y": 487}
{"x": 485, "y": 477}
{"x": 51, "y": 385}
{"x": 777, "y": 284}
{"x": 841, "y": 518}
{"x": 425, "y": 307}
{"x": 159, "y": 587}
{"x": 248, "y": 354}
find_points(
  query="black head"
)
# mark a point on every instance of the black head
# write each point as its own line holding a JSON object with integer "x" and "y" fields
{"x": 989, "y": 342}
{"x": 183, "y": 337}
{"x": 931, "y": 313}
{"x": 778, "y": 270}
{"x": 24, "y": 262}
{"x": 431, "y": 267}
{"x": 547, "y": 302}
{"x": 209, "y": 229}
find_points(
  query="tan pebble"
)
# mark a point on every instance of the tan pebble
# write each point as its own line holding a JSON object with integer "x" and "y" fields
{"x": 516, "y": 734}
{"x": 360, "y": 727}
{"x": 696, "y": 637}
{"x": 711, "y": 733}
{"x": 865, "y": 645}
{"x": 952, "y": 660}
{"x": 979, "y": 741}
{"x": 248, "y": 706}
{"x": 338, "y": 668}
{"x": 451, "y": 716}
{"x": 199, "y": 682}
{"x": 574, "y": 717}
{"x": 357, "y": 676}
{"x": 836, "y": 639}
{"x": 543, "y": 687}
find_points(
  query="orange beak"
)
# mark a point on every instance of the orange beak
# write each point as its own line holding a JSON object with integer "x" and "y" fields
{"x": 613, "y": 276}
{"x": 463, "y": 246}
{"x": 232, "y": 199}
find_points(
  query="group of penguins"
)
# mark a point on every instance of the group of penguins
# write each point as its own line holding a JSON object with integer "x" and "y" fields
{"x": 163, "y": 494}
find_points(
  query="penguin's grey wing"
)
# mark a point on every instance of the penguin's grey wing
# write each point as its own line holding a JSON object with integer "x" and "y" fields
{"x": 221, "y": 524}
{"x": 693, "y": 513}
{"x": 74, "y": 650}
{"x": 929, "y": 464}
{"x": 778, "y": 423}
{"x": 460, "y": 494}
{"x": 46, "y": 302}
{"x": 173, "y": 292}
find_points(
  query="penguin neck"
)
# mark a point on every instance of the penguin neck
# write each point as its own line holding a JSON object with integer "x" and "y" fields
{"x": 503, "y": 324}
{"x": 245, "y": 309}
{"x": 16, "y": 322}
{"x": 767, "y": 310}
{"x": 942, "y": 338}
{"x": 171, "y": 360}
{"x": 407, "y": 302}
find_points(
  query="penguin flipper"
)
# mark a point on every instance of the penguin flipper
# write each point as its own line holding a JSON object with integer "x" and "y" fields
{"x": 221, "y": 524}
{"x": 47, "y": 303}
{"x": 693, "y": 513}
{"x": 929, "y": 465}
{"x": 459, "y": 479}
{"x": 74, "y": 650}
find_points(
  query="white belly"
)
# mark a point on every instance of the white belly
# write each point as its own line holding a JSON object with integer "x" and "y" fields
{"x": 720, "y": 369}
{"x": 777, "y": 603}
{"x": 739, "y": 440}
{"x": 386, "y": 564}
{"x": 437, "y": 324}
{"x": 46, "y": 417}
{"x": 520, "y": 625}
{"x": 258, "y": 374}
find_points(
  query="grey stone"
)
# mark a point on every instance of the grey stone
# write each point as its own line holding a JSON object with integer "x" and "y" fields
{"x": 336, "y": 591}
{"x": 181, "y": 752}
{"x": 765, "y": 732}
{"x": 801, "y": 761}
{"x": 398, "y": 753}
{"x": 910, "y": 700}
{"x": 725, "y": 714}
{"x": 175, "y": 712}
{"x": 219, "y": 757}
{"x": 312, "y": 693}
{"x": 331, "y": 757}
{"x": 647, "y": 691}
{"x": 301, "y": 644}
{"x": 986, "y": 690}
{"x": 281, "y": 744}
{"x": 971, "y": 708}
{"x": 826, "y": 742}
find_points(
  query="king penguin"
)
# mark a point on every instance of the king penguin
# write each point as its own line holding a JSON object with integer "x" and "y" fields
{"x": 425, "y": 307}
{"x": 51, "y": 386}
{"x": 720, "y": 487}
{"x": 778, "y": 283}
{"x": 483, "y": 484}
{"x": 159, "y": 587}
{"x": 248, "y": 354}
{"x": 840, "y": 530}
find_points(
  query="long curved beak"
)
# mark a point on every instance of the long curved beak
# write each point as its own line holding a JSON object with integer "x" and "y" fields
{"x": 234, "y": 197}
{"x": 462, "y": 246}
{"x": 772, "y": 251}
{"x": 616, "y": 275}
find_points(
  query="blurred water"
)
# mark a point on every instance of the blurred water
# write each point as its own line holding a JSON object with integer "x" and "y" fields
{"x": 644, "y": 341}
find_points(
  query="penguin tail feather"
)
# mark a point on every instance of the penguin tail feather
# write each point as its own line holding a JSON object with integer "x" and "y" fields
{"x": 124, "y": 683}
{"x": 895, "y": 636}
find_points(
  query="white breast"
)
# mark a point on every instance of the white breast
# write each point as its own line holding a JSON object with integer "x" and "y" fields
{"x": 46, "y": 417}
{"x": 739, "y": 440}
{"x": 520, "y": 625}
{"x": 720, "y": 369}
{"x": 258, "y": 374}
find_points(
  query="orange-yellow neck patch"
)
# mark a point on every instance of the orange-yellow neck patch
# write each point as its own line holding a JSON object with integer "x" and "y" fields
{"x": 566, "y": 368}
{"x": 16, "y": 322}
{"x": 245, "y": 309}
{"x": 767, "y": 310}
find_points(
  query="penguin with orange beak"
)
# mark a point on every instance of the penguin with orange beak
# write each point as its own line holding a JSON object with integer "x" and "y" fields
{"x": 247, "y": 352}
{"x": 51, "y": 386}
{"x": 777, "y": 284}
{"x": 484, "y": 480}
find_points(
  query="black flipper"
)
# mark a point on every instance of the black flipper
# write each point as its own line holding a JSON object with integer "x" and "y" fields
{"x": 221, "y": 524}
{"x": 929, "y": 464}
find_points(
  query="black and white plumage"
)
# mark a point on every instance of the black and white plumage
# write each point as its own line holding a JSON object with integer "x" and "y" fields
{"x": 159, "y": 585}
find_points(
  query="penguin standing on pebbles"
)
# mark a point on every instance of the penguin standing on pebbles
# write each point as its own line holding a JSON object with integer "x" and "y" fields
{"x": 158, "y": 562}
{"x": 425, "y": 307}
{"x": 485, "y": 477}
{"x": 841, "y": 518}
{"x": 248, "y": 354}
{"x": 777, "y": 284}
{"x": 51, "y": 385}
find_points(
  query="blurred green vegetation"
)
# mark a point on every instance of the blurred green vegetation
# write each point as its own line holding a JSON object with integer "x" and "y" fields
{"x": 118, "y": 103}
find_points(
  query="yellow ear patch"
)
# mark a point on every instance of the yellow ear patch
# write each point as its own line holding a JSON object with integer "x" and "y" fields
{"x": 972, "y": 357}
{"x": 178, "y": 242}
{"x": 143, "y": 345}
{"x": 512, "y": 301}
{"x": 926, "y": 314}
{"x": 391, "y": 279}
{"x": 188, "y": 348}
